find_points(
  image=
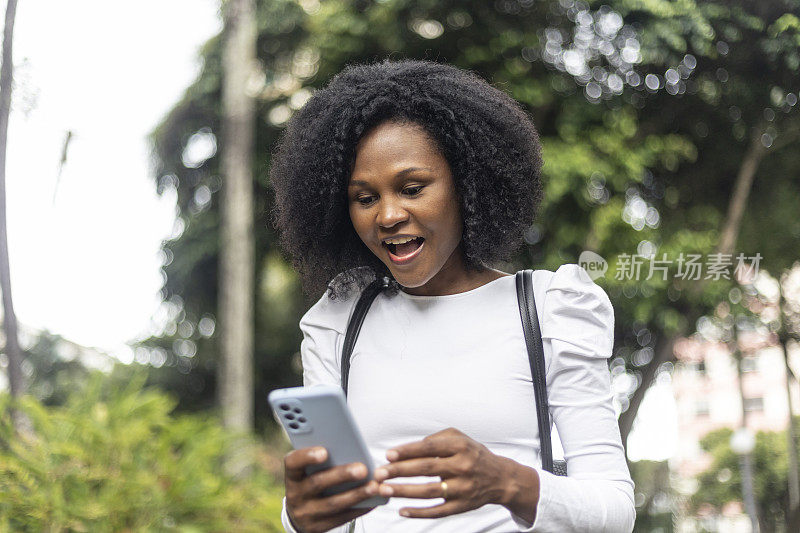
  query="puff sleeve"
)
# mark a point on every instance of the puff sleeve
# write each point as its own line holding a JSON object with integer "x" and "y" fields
{"x": 577, "y": 324}
{"x": 323, "y": 327}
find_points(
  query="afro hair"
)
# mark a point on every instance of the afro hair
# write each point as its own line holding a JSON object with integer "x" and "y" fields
{"x": 488, "y": 140}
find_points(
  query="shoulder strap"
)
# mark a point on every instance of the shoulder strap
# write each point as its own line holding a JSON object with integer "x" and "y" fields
{"x": 354, "y": 325}
{"x": 533, "y": 340}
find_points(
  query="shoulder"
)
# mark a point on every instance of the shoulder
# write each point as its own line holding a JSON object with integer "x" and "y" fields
{"x": 327, "y": 313}
{"x": 576, "y": 310}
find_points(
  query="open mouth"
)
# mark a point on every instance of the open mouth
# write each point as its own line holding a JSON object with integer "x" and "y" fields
{"x": 406, "y": 251}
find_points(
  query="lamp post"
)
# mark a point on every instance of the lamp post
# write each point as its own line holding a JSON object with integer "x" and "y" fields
{"x": 742, "y": 443}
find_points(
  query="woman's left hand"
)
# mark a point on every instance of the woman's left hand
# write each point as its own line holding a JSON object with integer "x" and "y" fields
{"x": 474, "y": 475}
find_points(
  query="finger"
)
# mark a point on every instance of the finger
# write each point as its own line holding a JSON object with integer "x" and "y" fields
{"x": 436, "y": 511}
{"x": 319, "y": 481}
{"x": 432, "y": 446}
{"x": 327, "y": 522}
{"x": 294, "y": 462}
{"x": 339, "y": 503}
{"x": 333, "y": 508}
{"x": 418, "y": 490}
{"x": 342, "y": 518}
{"x": 425, "y": 466}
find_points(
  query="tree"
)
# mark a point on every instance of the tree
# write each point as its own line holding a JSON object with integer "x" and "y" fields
{"x": 12, "y": 348}
{"x": 757, "y": 315}
{"x": 787, "y": 305}
{"x": 627, "y": 165}
{"x": 721, "y": 482}
{"x": 746, "y": 57}
{"x": 236, "y": 246}
{"x": 57, "y": 367}
{"x": 654, "y": 496}
{"x": 189, "y": 343}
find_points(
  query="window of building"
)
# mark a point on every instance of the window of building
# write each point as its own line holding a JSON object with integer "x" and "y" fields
{"x": 697, "y": 367}
{"x": 749, "y": 364}
{"x": 754, "y": 404}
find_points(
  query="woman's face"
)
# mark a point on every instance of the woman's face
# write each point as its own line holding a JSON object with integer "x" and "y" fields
{"x": 401, "y": 186}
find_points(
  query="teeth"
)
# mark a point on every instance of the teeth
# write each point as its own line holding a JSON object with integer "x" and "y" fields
{"x": 401, "y": 240}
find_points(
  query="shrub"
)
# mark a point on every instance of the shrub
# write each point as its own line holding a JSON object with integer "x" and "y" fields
{"x": 114, "y": 458}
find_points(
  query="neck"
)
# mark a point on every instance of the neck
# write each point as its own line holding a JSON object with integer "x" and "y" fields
{"x": 447, "y": 282}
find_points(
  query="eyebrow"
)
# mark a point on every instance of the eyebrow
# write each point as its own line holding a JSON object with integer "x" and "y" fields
{"x": 398, "y": 175}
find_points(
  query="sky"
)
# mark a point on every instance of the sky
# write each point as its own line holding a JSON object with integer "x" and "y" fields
{"x": 84, "y": 248}
{"x": 84, "y": 258}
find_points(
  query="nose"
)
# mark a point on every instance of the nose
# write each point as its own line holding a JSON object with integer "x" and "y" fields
{"x": 391, "y": 212}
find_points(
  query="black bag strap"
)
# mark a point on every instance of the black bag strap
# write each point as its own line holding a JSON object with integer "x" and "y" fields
{"x": 533, "y": 340}
{"x": 354, "y": 325}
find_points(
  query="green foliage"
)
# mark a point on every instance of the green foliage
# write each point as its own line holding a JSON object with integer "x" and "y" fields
{"x": 787, "y": 22}
{"x": 53, "y": 367}
{"x": 722, "y": 481}
{"x": 677, "y": 151}
{"x": 654, "y": 496}
{"x": 114, "y": 458}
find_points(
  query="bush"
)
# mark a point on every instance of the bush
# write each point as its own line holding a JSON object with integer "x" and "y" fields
{"x": 113, "y": 458}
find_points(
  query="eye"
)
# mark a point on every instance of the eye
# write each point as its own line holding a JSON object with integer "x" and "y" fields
{"x": 409, "y": 191}
{"x": 364, "y": 200}
{"x": 413, "y": 191}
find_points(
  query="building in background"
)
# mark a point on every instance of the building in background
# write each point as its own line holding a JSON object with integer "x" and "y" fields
{"x": 706, "y": 387}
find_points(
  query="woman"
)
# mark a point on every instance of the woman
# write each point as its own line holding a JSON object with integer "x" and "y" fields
{"x": 426, "y": 174}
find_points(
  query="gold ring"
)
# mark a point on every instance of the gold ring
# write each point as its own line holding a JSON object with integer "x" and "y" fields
{"x": 444, "y": 489}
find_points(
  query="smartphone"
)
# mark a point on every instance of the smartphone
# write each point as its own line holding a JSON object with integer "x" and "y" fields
{"x": 319, "y": 416}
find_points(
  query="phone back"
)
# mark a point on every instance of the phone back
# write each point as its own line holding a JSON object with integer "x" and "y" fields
{"x": 319, "y": 416}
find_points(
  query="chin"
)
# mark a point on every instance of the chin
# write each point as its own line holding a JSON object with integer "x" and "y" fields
{"x": 409, "y": 282}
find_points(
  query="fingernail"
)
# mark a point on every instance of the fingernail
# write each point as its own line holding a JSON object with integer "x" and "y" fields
{"x": 357, "y": 470}
{"x": 392, "y": 455}
{"x": 381, "y": 473}
{"x": 372, "y": 488}
{"x": 386, "y": 490}
{"x": 319, "y": 454}
{"x": 404, "y": 512}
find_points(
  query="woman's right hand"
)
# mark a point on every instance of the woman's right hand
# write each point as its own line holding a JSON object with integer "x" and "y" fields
{"x": 308, "y": 510}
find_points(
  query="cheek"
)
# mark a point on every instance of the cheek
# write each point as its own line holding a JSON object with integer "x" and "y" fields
{"x": 360, "y": 224}
{"x": 443, "y": 216}
{"x": 454, "y": 224}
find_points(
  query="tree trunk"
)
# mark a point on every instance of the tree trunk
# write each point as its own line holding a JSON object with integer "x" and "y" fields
{"x": 662, "y": 354}
{"x": 741, "y": 191}
{"x": 236, "y": 283}
{"x": 13, "y": 352}
{"x": 748, "y": 490}
{"x": 793, "y": 514}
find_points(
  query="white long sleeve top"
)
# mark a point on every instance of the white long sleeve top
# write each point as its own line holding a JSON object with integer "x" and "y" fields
{"x": 426, "y": 363}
